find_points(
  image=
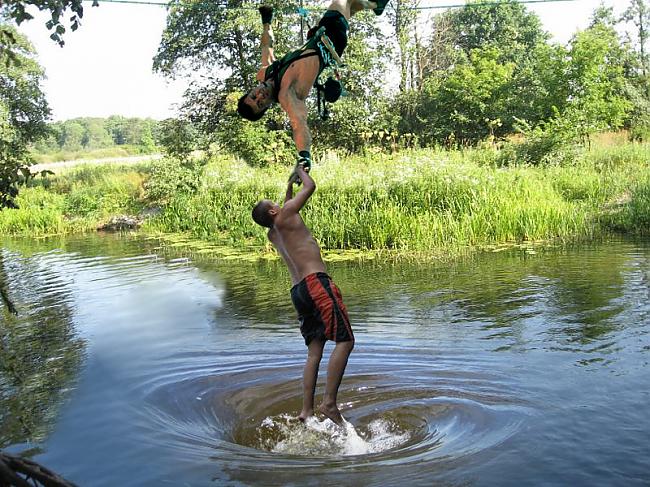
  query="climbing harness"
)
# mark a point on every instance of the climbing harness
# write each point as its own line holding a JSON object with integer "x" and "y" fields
{"x": 331, "y": 89}
{"x": 328, "y": 85}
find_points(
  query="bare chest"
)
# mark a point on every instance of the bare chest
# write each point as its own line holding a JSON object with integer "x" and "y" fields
{"x": 300, "y": 77}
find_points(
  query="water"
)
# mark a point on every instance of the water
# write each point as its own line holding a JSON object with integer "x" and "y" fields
{"x": 129, "y": 364}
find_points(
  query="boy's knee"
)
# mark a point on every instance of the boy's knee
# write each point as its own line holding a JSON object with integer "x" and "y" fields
{"x": 315, "y": 356}
{"x": 315, "y": 353}
{"x": 349, "y": 345}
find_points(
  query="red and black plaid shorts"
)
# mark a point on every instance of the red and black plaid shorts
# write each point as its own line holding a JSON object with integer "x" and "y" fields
{"x": 320, "y": 308}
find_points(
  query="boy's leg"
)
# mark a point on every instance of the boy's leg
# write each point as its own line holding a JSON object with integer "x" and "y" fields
{"x": 310, "y": 375}
{"x": 335, "y": 369}
{"x": 377, "y": 6}
{"x": 268, "y": 38}
{"x": 351, "y": 7}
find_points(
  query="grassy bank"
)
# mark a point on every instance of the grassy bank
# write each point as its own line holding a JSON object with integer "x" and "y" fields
{"x": 109, "y": 152}
{"x": 415, "y": 201}
{"x": 75, "y": 201}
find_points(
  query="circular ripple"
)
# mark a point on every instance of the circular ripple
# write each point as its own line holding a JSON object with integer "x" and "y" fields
{"x": 243, "y": 416}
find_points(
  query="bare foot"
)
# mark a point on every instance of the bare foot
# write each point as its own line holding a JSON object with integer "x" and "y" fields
{"x": 305, "y": 414}
{"x": 332, "y": 412}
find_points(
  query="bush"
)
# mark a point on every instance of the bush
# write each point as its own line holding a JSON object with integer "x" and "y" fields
{"x": 640, "y": 131}
{"x": 553, "y": 142}
{"x": 169, "y": 176}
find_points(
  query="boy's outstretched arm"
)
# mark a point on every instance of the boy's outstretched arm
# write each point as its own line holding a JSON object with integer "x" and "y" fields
{"x": 289, "y": 194}
{"x": 293, "y": 205}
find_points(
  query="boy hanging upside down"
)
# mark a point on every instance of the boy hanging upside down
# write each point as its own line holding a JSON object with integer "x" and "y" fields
{"x": 317, "y": 300}
{"x": 289, "y": 80}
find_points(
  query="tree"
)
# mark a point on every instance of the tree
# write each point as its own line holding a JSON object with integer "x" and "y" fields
{"x": 639, "y": 14}
{"x": 72, "y": 135}
{"x": 596, "y": 83}
{"x": 23, "y": 114}
{"x": 404, "y": 20}
{"x": 217, "y": 45}
{"x": 474, "y": 41}
{"x": 505, "y": 25}
{"x": 469, "y": 104}
{"x": 95, "y": 135}
{"x": 442, "y": 52}
{"x": 16, "y": 10}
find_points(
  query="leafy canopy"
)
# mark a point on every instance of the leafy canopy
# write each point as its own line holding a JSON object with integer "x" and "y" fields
{"x": 23, "y": 113}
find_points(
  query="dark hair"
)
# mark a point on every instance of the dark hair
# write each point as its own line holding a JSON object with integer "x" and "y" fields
{"x": 261, "y": 214}
{"x": 246, "y": 111}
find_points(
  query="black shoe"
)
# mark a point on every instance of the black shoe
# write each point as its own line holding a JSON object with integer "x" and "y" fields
{"x": 381, "y": 5}
{"x": 266, "y": 11}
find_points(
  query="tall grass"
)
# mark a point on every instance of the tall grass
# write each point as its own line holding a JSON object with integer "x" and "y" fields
{"x": 419, "y": 200}
{"x": 76, "y": 200}
{"x": 412, "y": 201}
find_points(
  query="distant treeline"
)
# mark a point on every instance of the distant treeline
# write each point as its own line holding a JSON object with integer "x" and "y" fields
{"x": 91, "y": 134}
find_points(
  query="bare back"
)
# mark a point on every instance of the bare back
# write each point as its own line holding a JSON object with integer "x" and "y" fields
{"x": 296, "y": 245}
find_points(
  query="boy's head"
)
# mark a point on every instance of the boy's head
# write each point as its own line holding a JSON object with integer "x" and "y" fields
{"x": 265, "y": 212}
{"x": 254, "y": 104}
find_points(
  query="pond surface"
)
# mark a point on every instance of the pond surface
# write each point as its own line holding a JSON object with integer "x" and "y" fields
{"x": 128, "y": 364}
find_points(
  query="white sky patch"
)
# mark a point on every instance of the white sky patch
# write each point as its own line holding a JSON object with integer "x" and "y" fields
{"x": 105, "y": 66}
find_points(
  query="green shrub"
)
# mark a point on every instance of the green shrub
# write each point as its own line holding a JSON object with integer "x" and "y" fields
{"x": 169, "y": 177}
{"x": 551, "y": 143}
{"x": 640, "y": 132}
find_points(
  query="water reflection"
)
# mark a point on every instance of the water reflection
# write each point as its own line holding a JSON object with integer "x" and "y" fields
{"x": 183, "y": 368}
{"x": 40, "y": 353}
{"x": 559, "y": 299}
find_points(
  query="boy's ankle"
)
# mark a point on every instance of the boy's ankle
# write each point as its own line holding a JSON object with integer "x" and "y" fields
{"x": 329, "y": 401}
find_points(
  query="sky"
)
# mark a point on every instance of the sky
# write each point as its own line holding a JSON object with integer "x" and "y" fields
{"x": 105, "y": 67}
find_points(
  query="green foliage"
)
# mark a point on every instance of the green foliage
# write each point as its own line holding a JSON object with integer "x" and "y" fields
{"x": 468, "y": 78}
{"x": 23, "y": 114}
{"x": 88, "y": 134}
{"x": 638, "y": 122}
{"x": 630, "y": 213}
{"x": 40, "y": 213}
{"x": 467, "y": 105}
{"x": 169, "y": 177}
{"x": 552, "y": 142}
{"x": 178, "y": 138}
{"x": 640, "y": 131}
{"x": 637, "y": 213}
{"x": 16, "y": 10}
{"x": 415, "y": 201}
{"x": 596, "y": 80}
{"x": 539, "y": 87}
{"x": 505, "y": 25}
{"x": 638, "y": 14}
{"x": 419, "y": 200}
{"x": 77, "y": 200}
{"x": 108, "y": 152}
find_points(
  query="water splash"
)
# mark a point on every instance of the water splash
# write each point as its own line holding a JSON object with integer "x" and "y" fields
{"x": 286, "y": 434}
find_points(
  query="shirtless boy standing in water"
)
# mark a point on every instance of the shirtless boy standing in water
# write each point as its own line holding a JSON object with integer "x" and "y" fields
{"x": 320, "y": 307}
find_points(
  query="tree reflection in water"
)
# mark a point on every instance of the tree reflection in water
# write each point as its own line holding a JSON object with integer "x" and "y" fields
{"x": 40, "y": 353}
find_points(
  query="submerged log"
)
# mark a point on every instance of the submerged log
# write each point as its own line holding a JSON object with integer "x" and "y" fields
{"x": 21, "y": 472}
